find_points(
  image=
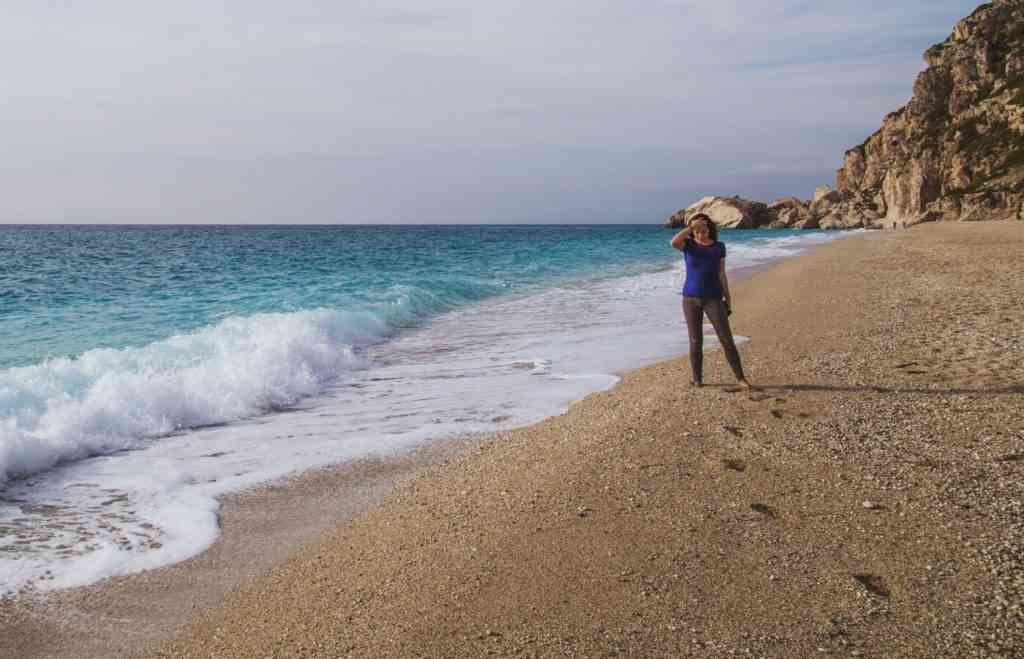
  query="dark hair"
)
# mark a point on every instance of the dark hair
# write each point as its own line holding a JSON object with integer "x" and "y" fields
{"x": 712, "y": 227}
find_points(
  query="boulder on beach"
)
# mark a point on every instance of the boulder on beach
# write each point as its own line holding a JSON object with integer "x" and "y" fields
{"x": 786, "y": 202}
{"x": 726, "y": 212}
{"x": 831, "y": 221}
{"x": 788, "y": 212}
{"x": 825, "y": 201}
{"x": 808, "y": 222}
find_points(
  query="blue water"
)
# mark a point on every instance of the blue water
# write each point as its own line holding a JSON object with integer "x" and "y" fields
{"x": 68, "y": 289}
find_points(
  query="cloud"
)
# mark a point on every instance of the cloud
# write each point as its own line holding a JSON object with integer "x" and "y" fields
{"x": 354, "y": 111}
{"x": 409, "y": 18}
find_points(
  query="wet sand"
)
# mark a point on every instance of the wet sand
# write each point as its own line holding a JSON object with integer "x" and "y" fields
{"x": 260, "y": 528}
{"x": 867, "y": 501}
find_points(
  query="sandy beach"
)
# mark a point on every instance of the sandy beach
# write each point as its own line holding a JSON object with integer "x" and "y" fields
{"x": 868, "y": 501}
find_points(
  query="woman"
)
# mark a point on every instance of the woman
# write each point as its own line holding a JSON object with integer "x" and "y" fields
{"x": 706, "y": 291}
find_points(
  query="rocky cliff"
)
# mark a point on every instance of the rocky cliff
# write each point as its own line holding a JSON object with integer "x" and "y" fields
{"x": 954, "y": 152}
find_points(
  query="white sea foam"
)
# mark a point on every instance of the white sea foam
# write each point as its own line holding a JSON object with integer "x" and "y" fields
{"x": 109, "y": 400}
{"x": 769, "y": 248}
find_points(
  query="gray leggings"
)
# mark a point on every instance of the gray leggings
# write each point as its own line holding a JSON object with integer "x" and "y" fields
{"x": 694, "y": 309}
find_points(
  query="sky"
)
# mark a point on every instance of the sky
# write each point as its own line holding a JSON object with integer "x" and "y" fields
{"x": 439, "y": 111}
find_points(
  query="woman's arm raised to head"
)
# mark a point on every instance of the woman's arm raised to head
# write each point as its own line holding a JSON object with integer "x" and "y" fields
{"x": 680, "y": 238}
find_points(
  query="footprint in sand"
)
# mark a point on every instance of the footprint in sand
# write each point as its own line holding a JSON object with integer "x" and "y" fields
{"x": 733, "y": 430}
{"x": 874, "y": 584}
{"x": 777, "y": 414}
{"x": 735, "y": 465}
{"x": 763, "y": 509}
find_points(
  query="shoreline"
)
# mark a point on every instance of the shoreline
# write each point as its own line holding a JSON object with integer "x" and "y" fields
{"x": 40, "y": 623}
{"x": 41, "y": 626}
{"x": 462, "y": 485}
{"x": 616, "y": 372}
{"x": 260, "y": 527}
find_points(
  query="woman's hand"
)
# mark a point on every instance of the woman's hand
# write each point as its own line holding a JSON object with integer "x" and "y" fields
{"x": 680, "y": 238}
{"x": 726, "y": 295}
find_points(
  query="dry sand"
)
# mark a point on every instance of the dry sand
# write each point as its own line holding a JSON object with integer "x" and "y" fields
{"x": 868, "y": 501}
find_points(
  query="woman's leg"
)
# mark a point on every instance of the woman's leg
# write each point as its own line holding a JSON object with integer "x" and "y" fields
{"x": 720, "y": 320}
{"x": 693, "y": 311}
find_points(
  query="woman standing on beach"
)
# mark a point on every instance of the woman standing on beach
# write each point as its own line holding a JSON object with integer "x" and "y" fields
{"x": 706, "y": 291}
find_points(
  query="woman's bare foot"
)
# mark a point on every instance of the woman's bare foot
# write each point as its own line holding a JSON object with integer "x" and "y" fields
{"x": 746, "y": 384}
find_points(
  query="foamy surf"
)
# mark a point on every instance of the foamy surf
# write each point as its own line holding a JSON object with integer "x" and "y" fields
{"x": 111, "y": 400}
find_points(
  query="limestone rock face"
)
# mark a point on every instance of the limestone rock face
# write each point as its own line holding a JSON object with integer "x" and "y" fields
{"x": 822, "y": 192}
{"x": 956, "y": 150}
{"x": 785, "y": 202}
{"x": 831, "y": 211}
{"x": 832, "y": 221}
{"x": 788, "y": 212}
{"x": 808, "y": 222}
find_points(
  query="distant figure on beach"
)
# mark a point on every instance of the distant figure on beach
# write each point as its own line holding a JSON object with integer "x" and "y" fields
{"x": 893, "y": 226}
{"x": 706, "y": 291}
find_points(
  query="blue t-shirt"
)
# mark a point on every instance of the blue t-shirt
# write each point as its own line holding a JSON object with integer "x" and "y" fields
{"x": 702, "y": 263}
